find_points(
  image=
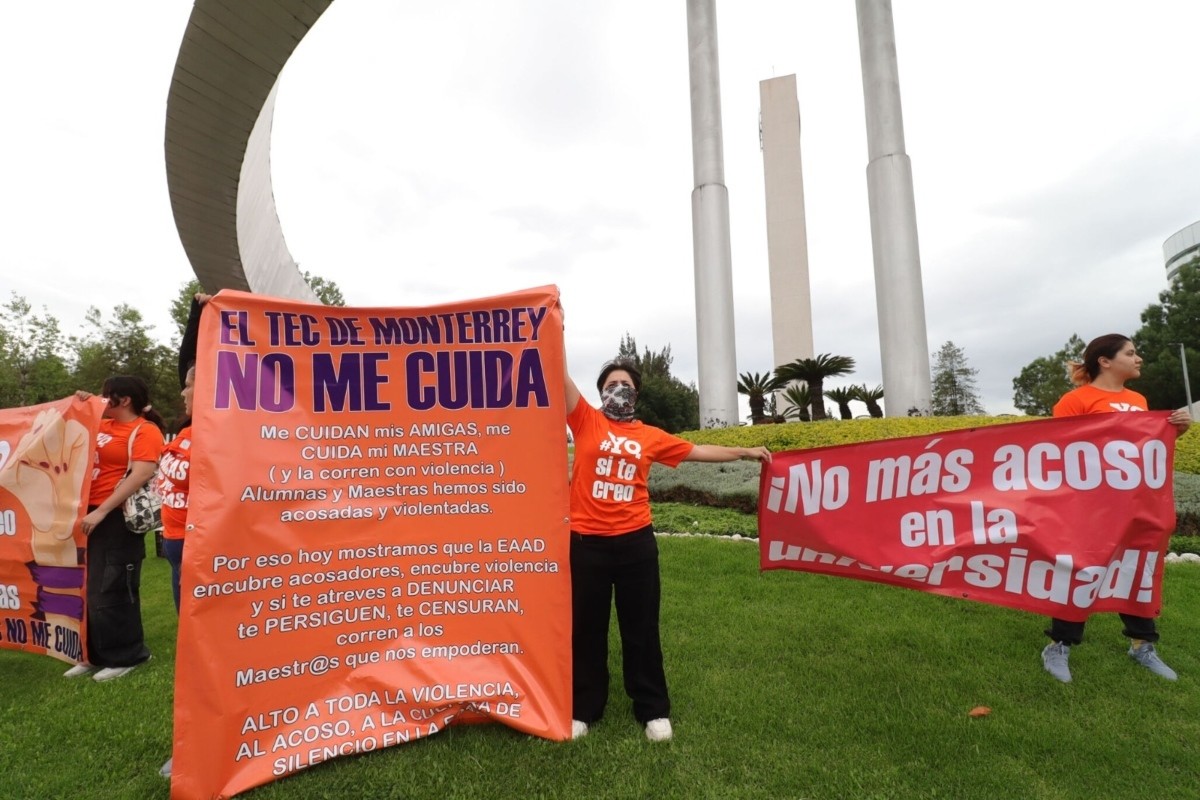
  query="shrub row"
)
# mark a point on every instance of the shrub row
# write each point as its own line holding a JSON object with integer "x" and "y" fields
{"x": 733, "y": 485}
{"x": 1185, "y": 544}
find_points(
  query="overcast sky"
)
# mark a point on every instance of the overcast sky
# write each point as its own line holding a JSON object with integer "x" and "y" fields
{"x": 429, "y": 152}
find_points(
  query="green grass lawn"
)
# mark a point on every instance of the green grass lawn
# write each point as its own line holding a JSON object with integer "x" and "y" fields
{"x": 785, "y": 685}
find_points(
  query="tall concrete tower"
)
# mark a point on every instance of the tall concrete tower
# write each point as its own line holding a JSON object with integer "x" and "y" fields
{"x": 787, "y": 233}
{"x": 899, "y": 296}
{"x": 710, "y": 225}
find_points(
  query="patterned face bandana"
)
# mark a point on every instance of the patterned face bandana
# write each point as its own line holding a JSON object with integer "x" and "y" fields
{"x": 617, "y": 402}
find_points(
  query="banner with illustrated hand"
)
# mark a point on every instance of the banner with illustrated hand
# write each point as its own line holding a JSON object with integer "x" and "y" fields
{"x": 45, "y": 473}
{"x": 377, "y": 537}
{"x": 1062, "y": 517}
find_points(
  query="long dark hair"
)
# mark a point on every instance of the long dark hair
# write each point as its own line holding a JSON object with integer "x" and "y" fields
{"x": 186, "y": 420}
{"x": 133, "y": 387}
{"x": 1106, "y": 346}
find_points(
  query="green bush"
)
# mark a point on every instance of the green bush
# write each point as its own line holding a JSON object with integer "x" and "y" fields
{"x": 1187, "y": 452}
{"x": 733, "y": 485}
{"x": 1187, "y": 493}
{"x": 1185, "y": 544}
{"x": 806, "y": 435}
{"x": 686, "y": 518}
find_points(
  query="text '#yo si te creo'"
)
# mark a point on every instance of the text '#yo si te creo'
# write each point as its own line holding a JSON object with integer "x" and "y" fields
{"x": 351, "y": 380}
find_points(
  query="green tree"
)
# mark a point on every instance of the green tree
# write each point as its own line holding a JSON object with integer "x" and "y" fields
{"x": 813, "y": 372}
{"x": 32, "y": 365}
{"x": 1044, "y": 380}
{"x": 1174, "y": 319}
{"x": 181, "y": 306}
{"x": 326, "y": 290}
{"x": 842, "y": 395}
{"x": 756, "y": 386}
{"x": 664, "y": 401}
{"x": 954, "y": 390}
{"x": 870, "y": 397}
{"x": 123, "y": 346}
{"x": 799, "y": 398}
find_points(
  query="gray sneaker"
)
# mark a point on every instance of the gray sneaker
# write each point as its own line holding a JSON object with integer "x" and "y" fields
{"x": 1147, "y": 656}
{"x": 1054, "y": 659}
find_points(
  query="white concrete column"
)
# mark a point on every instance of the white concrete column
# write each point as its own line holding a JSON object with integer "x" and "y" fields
{"x": 710, "y": 225}
{"x": 787, "y": 231}
{"x": 899, "y": 296}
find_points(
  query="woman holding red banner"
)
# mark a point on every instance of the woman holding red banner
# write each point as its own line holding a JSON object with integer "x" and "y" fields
{"x": 613, "y": 547}
{"x": 128, "y": 446}
{"x": 175, "y": 471}
{"x": 1108, "y": 362}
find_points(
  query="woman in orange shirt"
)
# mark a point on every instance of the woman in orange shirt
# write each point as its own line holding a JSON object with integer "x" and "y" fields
{"x": 174, "y": 486}
{"x": 175, "y": 469}
{"x": 613, "y": 551}
{"x": 115, "y": 640}
{"x": 1108, "y": 362}
{"x": 174, "y": 474}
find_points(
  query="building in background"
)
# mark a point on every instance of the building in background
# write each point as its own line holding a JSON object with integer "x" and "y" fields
{"x": 1180, "y": 248}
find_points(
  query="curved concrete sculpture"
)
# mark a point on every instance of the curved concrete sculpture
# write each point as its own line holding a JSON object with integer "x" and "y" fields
{"x": 218, "y": 141}
{"x": 218, "y": 144}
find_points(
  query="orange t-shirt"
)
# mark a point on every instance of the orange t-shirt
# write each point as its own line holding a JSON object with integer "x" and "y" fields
{"x": 1087, "y": 399}
{"x": 174, "y": 483}
{"x": 612, "y": 462}
{"x": 112, "y": 453}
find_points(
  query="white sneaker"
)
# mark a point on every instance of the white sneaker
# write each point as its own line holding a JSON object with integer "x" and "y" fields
{"x": 659, "y": 730}
{"x": 79, "y": 670}
{"x": 165, "y": 771}
{"x": 578, "y": 729}
{"x": 112, "y": 673}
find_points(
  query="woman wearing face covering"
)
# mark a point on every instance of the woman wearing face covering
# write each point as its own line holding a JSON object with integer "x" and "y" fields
{"x": 613, "y": 549}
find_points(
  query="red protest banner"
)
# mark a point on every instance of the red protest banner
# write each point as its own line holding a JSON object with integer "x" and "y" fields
{"x": 377, "y": 533}
{"x": 45, "y": 474}
{"x": 1062, "y": 517}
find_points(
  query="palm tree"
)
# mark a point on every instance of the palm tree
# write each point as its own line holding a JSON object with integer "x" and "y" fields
{"x": 798, "y": 396}
{"x": 757, "y": 386}
{"x": 871, "y": 397}
{"x": 814, "y": 371}
{"x": 842, "y": 396}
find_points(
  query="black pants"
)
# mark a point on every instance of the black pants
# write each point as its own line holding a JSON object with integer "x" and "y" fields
{"x": 114, "y": 602}
{"x": 626, "y": 565}
{"x": 1062, "y": 630}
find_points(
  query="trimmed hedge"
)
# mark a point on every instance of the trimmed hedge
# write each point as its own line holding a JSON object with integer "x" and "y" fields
{"x": 733, "y": 485}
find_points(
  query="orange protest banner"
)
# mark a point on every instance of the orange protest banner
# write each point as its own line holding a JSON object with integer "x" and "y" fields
{"x": 45, "y": 474}
{"x": 377, "y": 533}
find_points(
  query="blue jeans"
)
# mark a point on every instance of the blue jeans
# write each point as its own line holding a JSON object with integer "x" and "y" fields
{"x": 173, "y": 551}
